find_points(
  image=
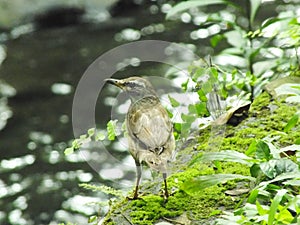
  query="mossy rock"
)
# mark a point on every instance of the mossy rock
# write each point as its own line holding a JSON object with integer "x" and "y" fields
{"x": 267, "y": 117}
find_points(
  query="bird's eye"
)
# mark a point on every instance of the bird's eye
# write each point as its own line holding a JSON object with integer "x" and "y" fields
{"x": 130, "y": 84}
{"x": 134, "y": 85}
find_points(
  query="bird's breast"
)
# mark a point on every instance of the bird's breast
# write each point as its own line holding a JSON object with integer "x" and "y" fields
{"x": 149, "y": 124}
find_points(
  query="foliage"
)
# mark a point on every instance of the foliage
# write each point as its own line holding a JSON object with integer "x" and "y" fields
{"x": 292, "y": 90}
{"x": 265, "y": 163}
{"x": 275, "y": 180}
{"x": 292, "y": 35}
{"x": 205, "y": 78}
{"x": 251, "y": 52}
{"x": 281, "y": 211}
{"x": 103, "y": 189}
{"x": 93, "y": 135}
{"x": 248, "y": 55}
{"x": 196, "y": 185}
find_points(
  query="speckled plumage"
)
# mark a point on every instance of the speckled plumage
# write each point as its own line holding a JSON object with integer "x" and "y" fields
{"x": 149, "y": 129}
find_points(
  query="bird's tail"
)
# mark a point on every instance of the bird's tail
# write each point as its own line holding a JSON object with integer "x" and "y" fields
{"x": 216, "y": 107}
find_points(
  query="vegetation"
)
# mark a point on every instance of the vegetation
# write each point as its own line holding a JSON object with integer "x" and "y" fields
{"x": 254, "y": 172}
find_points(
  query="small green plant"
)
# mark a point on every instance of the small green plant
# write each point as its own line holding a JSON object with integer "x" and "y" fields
{"x": 104, "y": 189}
{"x": 251, "y": 51}
{"x": 265, "y": 163}
{"x": 204, "y": 79}
{"x": 113, "y": 193}
{"x": 94, "y": 135}
{"x": 284, "y": 209}
{"x": 275, "y": 177}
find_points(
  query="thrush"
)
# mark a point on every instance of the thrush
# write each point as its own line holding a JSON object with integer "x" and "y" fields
{"x": 149, "y": 128}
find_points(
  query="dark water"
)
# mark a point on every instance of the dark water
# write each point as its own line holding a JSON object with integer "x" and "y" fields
{"x": 39, "y": 184}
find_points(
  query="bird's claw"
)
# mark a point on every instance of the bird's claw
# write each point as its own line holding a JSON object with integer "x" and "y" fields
{"x": 133, "y": 198}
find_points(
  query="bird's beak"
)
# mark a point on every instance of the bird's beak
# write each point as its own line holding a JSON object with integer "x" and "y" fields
{"x": 115, "y": 82}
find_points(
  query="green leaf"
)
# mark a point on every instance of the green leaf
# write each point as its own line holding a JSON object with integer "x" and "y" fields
{"x": 268, "y": 168}
{"x": 177, "y": 126}
{"x": 201, "y": 109}
{"x": 92, "y": 219}
{"x": 196, "y": 185}
{"x": 261, "y": 211}
{"x": 274, "y": 206}
{"x": 184, "y": 85}
{"x": 69, "y": 151}
{"x": 253, "y": 196}
{"x": 292, "y": 182}
{"x": 252, "y": 148}
{"x": 198, "y": 72}
{"x": 91, "y": 132}
{"x": 254, "y": 7}
{"x": 111, "y": 129}
{"x": 263, "y": 151}
{"x": 270, "y": 21}
{"x": 227, "y": 156}
{"x": 218, "y": 166}
{"x": 188, "y": 118}
{"x": 281, "y": 177}
{"x": 185, "y": 129}
{"x": 291, "y": 123}
{"x": 236, "y": 38}
{"x": 192, "y": 109}
{"x": 255, "y": 170}
{"x": 173, "y": 101}
{"x": 261, "y": 67}
{"x": 201, "y": 95}
{"x": 285, "y": 216}
{"x": 287, "y": 89}
{"x": 76, "y": 144}
{"x": 214, "y": 41}
{"x": 191, "y": 4}
{"x": 285, "y": 165}
{"x": 100, "y": 136}
{"x": 214, "y": 73}
{"x": 169, "y": 113}
{"x": 83, "y": 137}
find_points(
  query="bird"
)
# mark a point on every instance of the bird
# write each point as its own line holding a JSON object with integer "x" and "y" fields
{"x": 149, "y": 128}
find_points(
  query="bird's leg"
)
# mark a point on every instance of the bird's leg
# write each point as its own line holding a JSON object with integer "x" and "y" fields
{"x": 138, "y": 178}
{"x": 166, "y": 186}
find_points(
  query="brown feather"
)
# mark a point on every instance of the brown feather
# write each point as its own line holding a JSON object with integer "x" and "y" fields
{"x": 149, "y": 129}
{"x": 150, "y": 132}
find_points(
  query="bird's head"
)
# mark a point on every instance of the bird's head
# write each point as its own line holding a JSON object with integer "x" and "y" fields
{"x": 135, "y": 87}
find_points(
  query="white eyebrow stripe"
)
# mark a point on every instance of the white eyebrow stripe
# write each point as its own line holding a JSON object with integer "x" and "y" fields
{"x": 141, "y": 84}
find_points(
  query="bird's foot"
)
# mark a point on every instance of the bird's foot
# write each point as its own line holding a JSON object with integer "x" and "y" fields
{"x": 165, "y": 196}
{"x": 133, "y": 198}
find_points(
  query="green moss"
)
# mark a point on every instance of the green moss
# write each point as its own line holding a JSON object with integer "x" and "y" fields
{"x": 267, "y": 117}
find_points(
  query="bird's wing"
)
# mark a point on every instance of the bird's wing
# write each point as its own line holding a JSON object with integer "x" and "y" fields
{"x": 150, "y": 125}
